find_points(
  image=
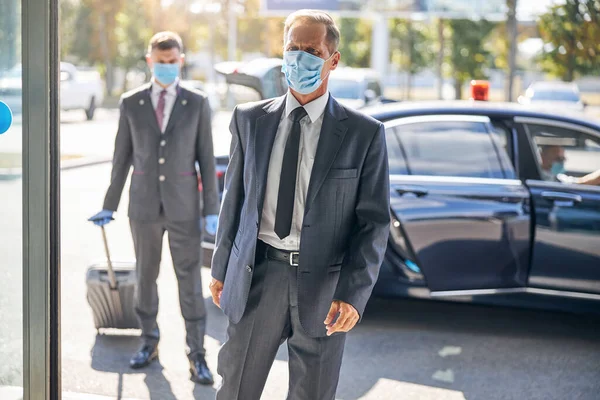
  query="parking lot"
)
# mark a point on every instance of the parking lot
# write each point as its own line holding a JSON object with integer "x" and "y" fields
{"x": 404, "y": 349}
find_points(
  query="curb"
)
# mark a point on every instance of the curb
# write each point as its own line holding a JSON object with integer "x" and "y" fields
{"x": 15, "y": 173}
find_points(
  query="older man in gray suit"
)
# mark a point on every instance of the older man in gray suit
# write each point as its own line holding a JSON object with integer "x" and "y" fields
{"x": 303, "y": 226}
{"x": 164, "y": 130}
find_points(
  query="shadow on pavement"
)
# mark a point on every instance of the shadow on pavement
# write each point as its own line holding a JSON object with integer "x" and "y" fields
{"x": 479, "y": 352}
{"x": 111, "y": 353}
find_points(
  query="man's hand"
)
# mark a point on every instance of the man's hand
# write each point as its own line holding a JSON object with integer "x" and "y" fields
{"x": 102, "y": 218}
{"x": 210, "y": 225}
{"x": 347, "y": 317}
{"x": 216, "y": 288}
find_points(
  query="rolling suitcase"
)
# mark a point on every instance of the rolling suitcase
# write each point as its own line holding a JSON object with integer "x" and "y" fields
{"x": 111, "y": 292}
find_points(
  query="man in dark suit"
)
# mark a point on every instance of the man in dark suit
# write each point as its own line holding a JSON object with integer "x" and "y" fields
{"x": 303, "y": 226}
{"x": 164, "y": 130}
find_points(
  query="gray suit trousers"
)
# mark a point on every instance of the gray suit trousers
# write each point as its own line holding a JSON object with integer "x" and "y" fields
{"x": 184, "y": 243}
{"x": 271, "y": 317}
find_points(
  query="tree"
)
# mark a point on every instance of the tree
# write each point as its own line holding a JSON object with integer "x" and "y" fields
{"x": 9, "y": 34}
{"x": 469, "y": 57}
{"x": 571, "y": 33}
{"x": 412, "y": 48}
{"x": 511, "y": 28}
{"x": 355, "y": 44}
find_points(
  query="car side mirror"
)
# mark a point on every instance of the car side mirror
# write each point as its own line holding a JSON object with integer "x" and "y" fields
{"x": 65, "y": 76}
{"x": 370, "y": 95}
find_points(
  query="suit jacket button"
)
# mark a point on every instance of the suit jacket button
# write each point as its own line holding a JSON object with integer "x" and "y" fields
{"x": 162, "y": 178}
{"x": 161, "y": 160}
{"x": 163, "y": 143}
{"x": 248, "y": 268}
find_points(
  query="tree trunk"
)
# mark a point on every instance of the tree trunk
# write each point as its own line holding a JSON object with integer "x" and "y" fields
{"x": 511, "y": 26}
{"x": 105, "y": 53}
{"x": 440, "y": 60}
{"x": 458, "y": 84}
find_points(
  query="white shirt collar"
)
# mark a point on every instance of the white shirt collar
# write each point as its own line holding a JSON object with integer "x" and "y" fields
{"x": 314, "y": 109}
{"x": 171, "y": 89}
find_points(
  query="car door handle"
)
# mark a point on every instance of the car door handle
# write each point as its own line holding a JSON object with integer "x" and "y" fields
{"x": 561, "y": 198}
{"x": 419, "y": 192}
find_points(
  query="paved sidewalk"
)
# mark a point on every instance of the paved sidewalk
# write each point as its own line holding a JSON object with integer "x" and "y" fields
{"x": 16, "y": 393}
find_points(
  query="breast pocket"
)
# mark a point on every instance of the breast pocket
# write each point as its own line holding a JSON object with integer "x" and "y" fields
{"x": 342, "y": 173}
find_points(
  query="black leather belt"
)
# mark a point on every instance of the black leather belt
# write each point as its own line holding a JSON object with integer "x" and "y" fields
{"x": 270, "y": 252}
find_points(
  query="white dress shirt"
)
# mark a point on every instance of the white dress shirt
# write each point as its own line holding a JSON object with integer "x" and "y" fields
{"x": 170, "y": 98}
{"x": 310, "y": 127}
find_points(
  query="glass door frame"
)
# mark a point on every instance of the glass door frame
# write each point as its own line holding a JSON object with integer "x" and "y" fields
{"x": 41, "y": 200}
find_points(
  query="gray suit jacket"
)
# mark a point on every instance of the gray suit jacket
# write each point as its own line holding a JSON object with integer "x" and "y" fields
{"x": 164, "y": 165}
{"x": 346, "y": 220}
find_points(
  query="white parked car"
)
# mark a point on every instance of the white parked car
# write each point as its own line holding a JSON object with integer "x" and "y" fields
{"x": 553, "y": 97}
{"x": 79, "y": 89}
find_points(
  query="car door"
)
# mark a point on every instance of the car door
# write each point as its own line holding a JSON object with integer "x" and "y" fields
{"x": 460, "y": 207}
{"x": 566, "y": 248}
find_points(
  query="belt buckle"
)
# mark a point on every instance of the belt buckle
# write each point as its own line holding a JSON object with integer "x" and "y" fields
{"x": 297, "y": 255}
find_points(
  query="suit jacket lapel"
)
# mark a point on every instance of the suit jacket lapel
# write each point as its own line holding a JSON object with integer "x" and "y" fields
{"x": 264, "y": 137}
{"x": 332, "y": 135}
{"x": 147, "y": 108}
{"x": 178, "y": 109}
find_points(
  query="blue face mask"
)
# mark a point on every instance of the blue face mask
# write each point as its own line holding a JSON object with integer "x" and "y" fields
{"x": 165, "y": 73}
{"x": 302, "y": 71}
{"x": 558, "y": 167}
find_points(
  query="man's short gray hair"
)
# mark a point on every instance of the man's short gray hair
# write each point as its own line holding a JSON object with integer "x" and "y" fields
{"x": 317, "y": 17}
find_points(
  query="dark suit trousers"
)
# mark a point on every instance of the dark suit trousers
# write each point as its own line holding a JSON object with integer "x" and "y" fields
{"x": 184, "y": 243}
{"x": 271, "y": 317}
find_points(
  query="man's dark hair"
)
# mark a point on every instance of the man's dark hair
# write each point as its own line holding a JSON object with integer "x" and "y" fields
{"x": 165, "y": 41}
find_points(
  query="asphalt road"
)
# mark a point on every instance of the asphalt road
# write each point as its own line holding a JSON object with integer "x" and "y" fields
{"x": 404, "y": 349}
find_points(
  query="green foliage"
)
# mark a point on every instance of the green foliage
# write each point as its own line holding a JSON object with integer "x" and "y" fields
{"x": 355, "y": 44}
{"x": 412, "y": 47}
{"x": 571, "y": 32}
{"x": 469, "y": 56}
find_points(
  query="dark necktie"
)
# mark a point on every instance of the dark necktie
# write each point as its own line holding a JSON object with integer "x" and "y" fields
{"x": 287, "y": 181}
{"x": 160, "y": 109}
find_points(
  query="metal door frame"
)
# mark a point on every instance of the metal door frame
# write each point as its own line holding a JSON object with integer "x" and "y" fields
{"x": 41, "y": 217}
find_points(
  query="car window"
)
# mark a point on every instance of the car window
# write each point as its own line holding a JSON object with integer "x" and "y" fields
{"x": 450, "y": 148}
{"x": 396, "y": 158}
{"x": 375, "y": 87}
{"x": 502, "y": 135}
{"x": 344, "y": 88}
{"x": 563, "y": 154}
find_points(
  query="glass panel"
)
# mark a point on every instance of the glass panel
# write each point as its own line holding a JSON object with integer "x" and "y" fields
{"x": 450, "y": 148}
{"x": 11, "y": 301}
{"x": 395, "y": 156}
{"x": 567, "y": 155}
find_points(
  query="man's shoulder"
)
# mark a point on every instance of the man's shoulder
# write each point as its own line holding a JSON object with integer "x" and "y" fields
{"x": 193, "y": 92}
{"x": 359, "y": 120}
{"x": 136, "y": 93}
{"x": 254, "y": 108}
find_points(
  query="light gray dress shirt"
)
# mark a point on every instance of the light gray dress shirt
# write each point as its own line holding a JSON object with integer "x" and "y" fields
{"x": 309, "y": 139}
{"x": 170, "y": 98}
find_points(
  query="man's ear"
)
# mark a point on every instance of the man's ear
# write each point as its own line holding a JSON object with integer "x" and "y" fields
{"x": 149, "y": 60}
{"x": 182, "y": 61}
{"x": 335, "y": 60}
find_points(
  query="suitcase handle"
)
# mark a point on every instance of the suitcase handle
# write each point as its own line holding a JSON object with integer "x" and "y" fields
{"x": 111, "y": 273}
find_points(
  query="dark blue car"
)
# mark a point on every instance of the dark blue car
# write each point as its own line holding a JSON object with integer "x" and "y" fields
{"x": 485, "y": 205}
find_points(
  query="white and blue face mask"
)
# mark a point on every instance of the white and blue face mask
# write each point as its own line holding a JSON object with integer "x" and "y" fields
{"x": 165, "y": 73}
{"x": 302, "y": 71}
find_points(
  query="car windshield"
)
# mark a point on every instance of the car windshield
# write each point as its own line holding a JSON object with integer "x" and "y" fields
{"x": 344, "y": 88}
{"x": 555, "y": 95}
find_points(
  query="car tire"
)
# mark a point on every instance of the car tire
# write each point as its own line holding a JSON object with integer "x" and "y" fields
{"x": 91, "y": 110}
